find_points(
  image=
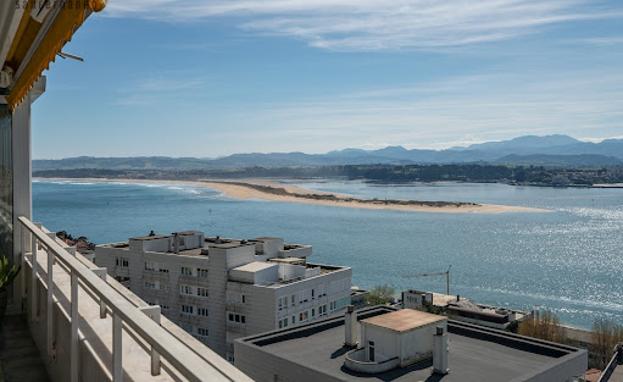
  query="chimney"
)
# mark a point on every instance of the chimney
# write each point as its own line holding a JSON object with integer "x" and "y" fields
{"x": 440, "y": 351}
{"x": 351, "y": 327}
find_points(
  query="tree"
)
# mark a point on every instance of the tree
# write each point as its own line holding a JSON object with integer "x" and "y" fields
{"x": 543, "y": 325}
{"x": 380, "y": 295}
{"x": 605, "y": 337}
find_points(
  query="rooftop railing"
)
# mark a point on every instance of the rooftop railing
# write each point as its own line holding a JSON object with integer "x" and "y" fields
{"x": 183, "y": 356}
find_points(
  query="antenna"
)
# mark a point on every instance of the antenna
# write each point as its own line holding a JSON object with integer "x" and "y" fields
{"x": 446, "y": 273}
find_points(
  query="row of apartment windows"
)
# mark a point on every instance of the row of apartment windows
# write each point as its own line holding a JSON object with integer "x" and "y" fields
{"x": 197, "y": 272}
{"x": 198, "y": 332}
{"x": 189, "y": 290}
{"x": 155, "y": 267}
{"x": 121, "y": 262}
{"x": 303, "y": 297}
{"x": 152, "y": 285}
{"x": 203, "y": 332}
{"x": 191, "y": 309}
{"x": 238, "y": 318}
{"x": 158, "y": 267}
{"x": 307, "y": 314}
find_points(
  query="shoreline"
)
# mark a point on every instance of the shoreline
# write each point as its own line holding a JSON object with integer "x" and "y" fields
{"x": 262, "y": 189}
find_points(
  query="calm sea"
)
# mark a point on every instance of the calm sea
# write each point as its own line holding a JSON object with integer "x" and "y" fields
{"x": 569, "y": 261}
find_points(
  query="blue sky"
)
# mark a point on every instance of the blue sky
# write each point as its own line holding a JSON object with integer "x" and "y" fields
{"x": 211, "y": 78}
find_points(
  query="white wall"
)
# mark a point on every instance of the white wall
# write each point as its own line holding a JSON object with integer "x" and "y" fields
{"x": 386, "y": 342}
{"x": 418, "y": 344}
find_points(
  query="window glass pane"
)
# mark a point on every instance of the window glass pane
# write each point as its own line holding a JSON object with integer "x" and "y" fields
{"x": 6, "y": 182}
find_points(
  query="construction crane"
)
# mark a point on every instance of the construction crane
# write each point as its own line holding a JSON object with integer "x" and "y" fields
{"x": 429, "y": 274}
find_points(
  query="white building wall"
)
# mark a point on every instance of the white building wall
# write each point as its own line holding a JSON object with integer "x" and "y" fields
{"x": 386, "y": 343}
{"x": 331, "y": 292}
{"x": 418, "y": 344}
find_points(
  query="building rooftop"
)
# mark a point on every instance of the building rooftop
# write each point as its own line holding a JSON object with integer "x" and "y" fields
{"x": 255, "y": 266}
{"x": 151, "y": 237}
{"x": 403, "y": 320}
{"x": 476, "y": 353}
{"x": 288, "y": 260}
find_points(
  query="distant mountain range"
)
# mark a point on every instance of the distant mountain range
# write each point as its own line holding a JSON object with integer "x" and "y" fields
{"x": 551, "y": 150}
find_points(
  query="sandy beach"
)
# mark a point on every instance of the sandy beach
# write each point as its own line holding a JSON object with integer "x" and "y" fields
{"x": 246, "y": 189}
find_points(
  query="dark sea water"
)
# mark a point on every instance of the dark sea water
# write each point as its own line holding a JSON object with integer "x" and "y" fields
{"x": 569, "y": 261}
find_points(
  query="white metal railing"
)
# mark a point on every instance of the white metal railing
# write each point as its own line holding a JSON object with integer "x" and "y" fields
{"x": 145, "y": 321}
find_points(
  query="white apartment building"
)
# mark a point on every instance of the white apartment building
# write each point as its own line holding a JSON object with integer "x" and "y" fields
{"x": 222, "y": 289}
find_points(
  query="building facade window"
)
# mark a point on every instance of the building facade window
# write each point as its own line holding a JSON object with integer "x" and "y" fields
{"x": 150, "y": 266}
{"x": 202, "y": 292}
{"x": 185, "y": 271}
{"x": 237, "y": 318}
{"x": 6, "y": 180}
{"x": 303, "y": 316}
{"x": 188, "y": 309}
{"x": 152, "y": 285}
{"x": 283, "y": 323}
{"x": 203, "y": 332}
{"x": 322, "y": 310}
{"x": 202, "y": 312}
{"x": 202, "y": 273}
{"x": 122, "y": 262}
{"x": 186, "y": 290}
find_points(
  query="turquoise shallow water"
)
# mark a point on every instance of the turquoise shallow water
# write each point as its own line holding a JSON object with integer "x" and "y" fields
{"x": 569, "y": 260}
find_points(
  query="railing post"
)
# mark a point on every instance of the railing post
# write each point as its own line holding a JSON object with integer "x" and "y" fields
{"x": 75, "y": 320}
{"x": 117, "y": 360}
{"x": 34, "y": 291}
{"x": 23, "y": 244}
{"x": 101, "y": 273}
{"x": 153, "y": 312}
{"x": 50, "y": 306}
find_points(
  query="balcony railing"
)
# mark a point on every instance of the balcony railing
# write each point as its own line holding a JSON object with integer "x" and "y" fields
{"x": 64, "y": 279}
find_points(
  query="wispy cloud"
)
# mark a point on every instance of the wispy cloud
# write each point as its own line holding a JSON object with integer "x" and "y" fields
{"x": 368, "y": 25}
{"x": 603, "y": 41}
{"x": 156, "y": 88}
{"x": 452, "y": 112}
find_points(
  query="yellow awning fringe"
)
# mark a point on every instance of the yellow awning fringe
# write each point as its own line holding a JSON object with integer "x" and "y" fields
{"x": 67, "y": 22}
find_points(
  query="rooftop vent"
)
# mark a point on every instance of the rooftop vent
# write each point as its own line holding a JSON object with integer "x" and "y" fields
{"x": 440, "y": 351}
{"x": 351, "y": 327}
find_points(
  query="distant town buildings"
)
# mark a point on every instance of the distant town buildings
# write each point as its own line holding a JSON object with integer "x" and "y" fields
{"x": 463, "y": 309}
{"x": 223, "y": 289}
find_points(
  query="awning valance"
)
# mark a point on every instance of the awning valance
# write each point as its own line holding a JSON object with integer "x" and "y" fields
{"x": 36, "y": 44}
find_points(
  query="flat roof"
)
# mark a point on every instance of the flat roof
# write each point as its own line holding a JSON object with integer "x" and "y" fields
{"x": 152, "y": 237}
{"x": 255, "y": 266}
{"x": 287, "y": 260}
{"x": 476, "y": 353}
{"x": 403, "y": 320}
{"x": 229, "y": 245}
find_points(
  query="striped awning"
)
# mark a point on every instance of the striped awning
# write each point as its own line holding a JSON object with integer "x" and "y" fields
{"x": 43, "y": 29}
